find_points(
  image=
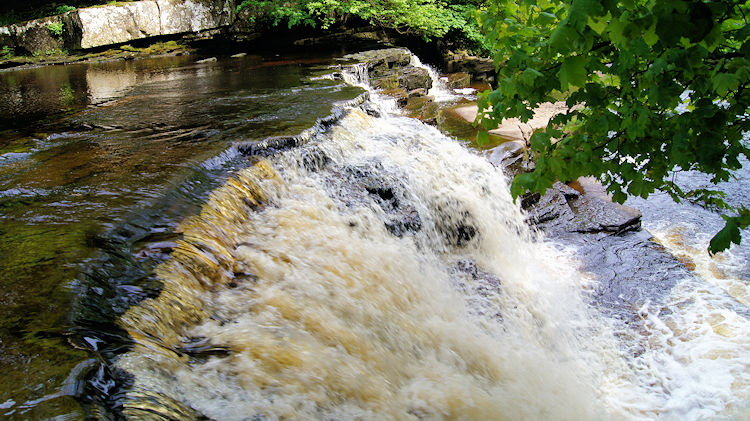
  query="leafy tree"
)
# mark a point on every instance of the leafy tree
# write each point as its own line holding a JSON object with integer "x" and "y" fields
{"x": 654, "y": 87}
{"x": 427, "y": 18}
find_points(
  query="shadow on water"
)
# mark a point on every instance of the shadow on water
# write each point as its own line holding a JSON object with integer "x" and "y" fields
{"x": 98, "y": 165}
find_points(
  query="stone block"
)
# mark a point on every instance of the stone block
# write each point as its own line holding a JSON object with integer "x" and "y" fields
{"x": 180, "y": 16}
{"x": 116, "y": 24}
{"x": 39, "y": 36}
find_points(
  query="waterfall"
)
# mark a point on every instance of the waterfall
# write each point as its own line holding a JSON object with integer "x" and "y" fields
{"x": 439, "y": 90}
{"x": 378, "y": 271}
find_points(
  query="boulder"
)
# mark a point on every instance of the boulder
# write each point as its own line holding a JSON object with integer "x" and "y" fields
{"x": 124, "y": 22}
{"x": 411, "y": 78}
{"x": 40, "y": 36}
{"x": 181, "y": 16}
{"x": 587, "y": 209}
{"x": 458, "y": 80}
{"x": 480, "y": 68}
{"x": 423, "y": 108}
{"x": 6, "y": 38}
{"x": 382, "y": 62}
{"x": 115, "y": 24}
{"x": 385, "y": 82}
{"x": 391, "y": 68}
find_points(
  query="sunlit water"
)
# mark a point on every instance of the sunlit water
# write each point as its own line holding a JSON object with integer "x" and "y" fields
{"x": 378, "y": 271}
{"x": 699, "y": 348}
{"x": 85, "y": 148}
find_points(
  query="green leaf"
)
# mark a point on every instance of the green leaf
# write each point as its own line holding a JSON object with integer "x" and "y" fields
{"x": 598, "y": 24}
{"x": 562, "y": 38}
{"x": 522, "y": 183}
{"x": 580, "y": 11}
{"x": 529, "y": 75}
{"x": 724, "y": 83}
{"x": 724, "y": 238}
{"x": 483, "y": 138}
{"x": 573, "y": 72}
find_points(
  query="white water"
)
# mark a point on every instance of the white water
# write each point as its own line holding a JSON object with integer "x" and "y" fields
{"x": 344, "y": 320}
{"x": 439, "y": 90}
{"x": 699, "y": 351}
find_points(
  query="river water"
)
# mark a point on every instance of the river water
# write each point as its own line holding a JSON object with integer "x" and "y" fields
{"x": 378, "y": 270}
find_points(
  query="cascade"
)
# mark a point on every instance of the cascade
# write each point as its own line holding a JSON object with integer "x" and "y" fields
{"x": 381, "y": 270}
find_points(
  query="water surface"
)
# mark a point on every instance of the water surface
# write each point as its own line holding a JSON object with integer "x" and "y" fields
{"x": 84, "y": 148}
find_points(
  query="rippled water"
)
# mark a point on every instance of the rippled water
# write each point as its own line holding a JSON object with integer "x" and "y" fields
{"x": 84, "y": 148}
{"x": 377, "y": 270}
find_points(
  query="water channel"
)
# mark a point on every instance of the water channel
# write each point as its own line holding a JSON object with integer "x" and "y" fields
{"x": 376, "y": 270}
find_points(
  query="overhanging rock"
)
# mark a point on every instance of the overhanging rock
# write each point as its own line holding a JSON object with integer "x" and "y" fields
{"x": 120, "y": 23}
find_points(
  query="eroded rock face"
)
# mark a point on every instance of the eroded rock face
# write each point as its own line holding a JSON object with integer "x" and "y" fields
{"x": 563, "y": 209}
{"x": 119, "y": 23}
{"x": 179, "y": 16}
{"x": 40, "y": 36}
{"x": 481, "y": 69}
{"x": 391, "y": 68}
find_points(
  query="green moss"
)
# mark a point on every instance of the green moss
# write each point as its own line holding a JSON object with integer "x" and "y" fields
{"x": 6, "y": 52}
{"x": 56, "y": 29}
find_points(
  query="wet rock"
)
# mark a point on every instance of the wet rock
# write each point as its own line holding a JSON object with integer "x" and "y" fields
{"x": 479, "y": 68}
{"x": 630, "y": 269}
{"x": 510, "y": 157}
{"x": 391, "y": 68}
{"x": 381, "y": 62}
{"x": 411, "y": 78}
{"x": 563, "y": 209}
{"x": 417, "y": 93}
{"x": 399, "y": 94}
{"x": 423, "y": 108}
{"x": 386, "y": 82}
{"x": 313, "y": 159}
{"x": 408, "y": 221}
{"x": 455, "y": 223}
{"x": 368, "y": 188}
{"x": 458, "y": 80}
{"x": 595, "y": 211}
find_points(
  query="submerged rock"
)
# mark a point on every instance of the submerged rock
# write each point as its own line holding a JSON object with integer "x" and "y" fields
{"x": 454, "y": 222}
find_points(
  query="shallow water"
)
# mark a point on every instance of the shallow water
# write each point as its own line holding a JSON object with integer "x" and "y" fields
{"x": 379, "y": 270}
{"x": 85, "y": 147}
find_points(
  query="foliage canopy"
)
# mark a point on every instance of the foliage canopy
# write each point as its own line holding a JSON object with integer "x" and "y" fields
{"x": 653, "y": 87}
{"x": 427, "y": 18}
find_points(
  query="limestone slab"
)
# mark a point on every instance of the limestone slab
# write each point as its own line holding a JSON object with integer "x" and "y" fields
{"x": 115, "y": 24}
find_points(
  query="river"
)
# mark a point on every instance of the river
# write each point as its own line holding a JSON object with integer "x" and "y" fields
{"x": 377, "y": 270}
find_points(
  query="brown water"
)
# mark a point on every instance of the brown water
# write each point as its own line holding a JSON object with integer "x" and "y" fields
{"x": 377, "y": 270}
{"x": 84, "y": 148}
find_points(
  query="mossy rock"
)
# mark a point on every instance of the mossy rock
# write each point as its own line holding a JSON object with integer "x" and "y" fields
{"x": 386, "y": 82}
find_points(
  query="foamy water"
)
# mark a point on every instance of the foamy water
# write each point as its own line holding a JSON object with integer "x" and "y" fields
{"x": 382, "y": 271}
